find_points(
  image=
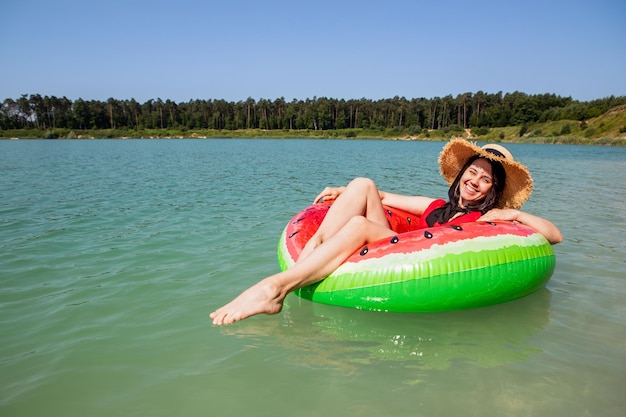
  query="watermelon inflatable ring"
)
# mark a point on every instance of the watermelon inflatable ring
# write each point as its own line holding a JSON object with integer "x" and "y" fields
{"x": 426, "y": 270}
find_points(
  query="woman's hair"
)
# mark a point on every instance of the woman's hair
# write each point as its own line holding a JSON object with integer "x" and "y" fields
{"x": 492, "y": 198}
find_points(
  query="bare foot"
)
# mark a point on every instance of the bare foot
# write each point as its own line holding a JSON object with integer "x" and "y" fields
{"x": 260, "y": 298}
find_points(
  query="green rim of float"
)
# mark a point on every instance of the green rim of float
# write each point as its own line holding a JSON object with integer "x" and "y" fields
{"x": 427, "y": 270}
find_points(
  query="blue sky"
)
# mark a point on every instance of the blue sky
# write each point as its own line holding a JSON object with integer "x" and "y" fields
{"x": 235, "y": 49}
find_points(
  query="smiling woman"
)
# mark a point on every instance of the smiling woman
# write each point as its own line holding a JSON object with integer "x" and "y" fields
{"x": 488, "y": 184}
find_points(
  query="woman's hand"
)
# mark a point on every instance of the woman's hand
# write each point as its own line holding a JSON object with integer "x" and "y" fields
{"x": 507, "y": 215}
{"x": 329, "y": 193}
{"x": 541, "y": 225}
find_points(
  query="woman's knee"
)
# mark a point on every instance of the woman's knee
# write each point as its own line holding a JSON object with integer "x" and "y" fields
{"x": 357, "y": 223}
{"x": 363, "y": 184}
{"x": 362, "y": 229}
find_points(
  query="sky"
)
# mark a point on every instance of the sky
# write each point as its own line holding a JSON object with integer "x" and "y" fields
{"x": 238, "y": 49}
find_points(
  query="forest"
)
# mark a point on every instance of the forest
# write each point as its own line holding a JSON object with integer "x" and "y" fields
{"x": 465, "y": 111}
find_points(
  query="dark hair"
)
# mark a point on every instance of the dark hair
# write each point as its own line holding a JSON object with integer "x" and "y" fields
{"x": 492, "y": 198}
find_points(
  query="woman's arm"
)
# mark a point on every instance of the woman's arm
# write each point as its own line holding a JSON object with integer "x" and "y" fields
{"x": 329, "y": 193}
{"x": 413, "y": 204}
{"x": 541, "y": 225}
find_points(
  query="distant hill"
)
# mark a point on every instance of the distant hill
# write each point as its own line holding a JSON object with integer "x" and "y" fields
{"x": 607, "y": 129}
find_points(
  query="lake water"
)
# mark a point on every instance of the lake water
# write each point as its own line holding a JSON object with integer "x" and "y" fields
{"x": 114, "y": 252}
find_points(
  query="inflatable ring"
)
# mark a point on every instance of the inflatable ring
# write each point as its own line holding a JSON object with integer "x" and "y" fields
{"x": 426, "y": 270}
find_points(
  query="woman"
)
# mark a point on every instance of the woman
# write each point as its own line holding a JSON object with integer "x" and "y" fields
{"x": 487, "y": 184}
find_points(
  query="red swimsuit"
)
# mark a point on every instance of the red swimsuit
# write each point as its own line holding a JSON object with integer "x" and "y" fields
{"x": 469, "y": 217}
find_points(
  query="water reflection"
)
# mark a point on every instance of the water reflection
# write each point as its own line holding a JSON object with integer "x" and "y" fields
{"x": 318, "y": 335}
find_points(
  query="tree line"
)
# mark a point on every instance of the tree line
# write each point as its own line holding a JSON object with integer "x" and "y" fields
{"x": 468, "y": 110}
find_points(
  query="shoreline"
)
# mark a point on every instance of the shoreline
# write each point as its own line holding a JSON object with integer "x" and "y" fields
{"x": 496, "y": 136}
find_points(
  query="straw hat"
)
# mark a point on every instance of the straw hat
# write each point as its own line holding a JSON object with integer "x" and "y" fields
{"x": 519, "y": 183}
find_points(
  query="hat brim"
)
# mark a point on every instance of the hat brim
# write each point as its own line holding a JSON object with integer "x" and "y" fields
{"x": 518, "y": 185}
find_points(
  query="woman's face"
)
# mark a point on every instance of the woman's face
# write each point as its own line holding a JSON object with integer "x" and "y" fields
{"x": 476, "y": 182}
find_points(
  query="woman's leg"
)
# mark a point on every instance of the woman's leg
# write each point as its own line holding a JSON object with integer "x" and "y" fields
{"x": 360, "y": 198}
{"x": 268, "y": 295}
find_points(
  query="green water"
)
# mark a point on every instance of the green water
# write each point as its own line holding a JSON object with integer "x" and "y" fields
{"x": 112, "y": 254}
